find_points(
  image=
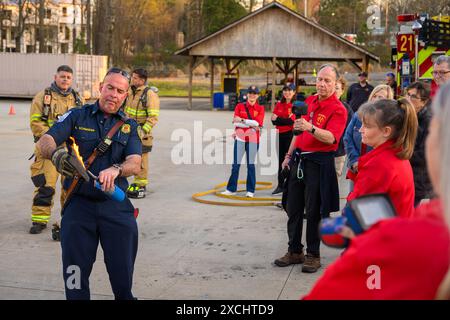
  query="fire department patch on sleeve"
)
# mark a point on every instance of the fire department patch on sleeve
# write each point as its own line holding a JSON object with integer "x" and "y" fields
{"x": 126, "y": 129}
{"x": 64, "y": 116}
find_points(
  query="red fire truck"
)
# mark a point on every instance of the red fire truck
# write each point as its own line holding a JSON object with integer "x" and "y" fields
{"x": 419, "y": 41}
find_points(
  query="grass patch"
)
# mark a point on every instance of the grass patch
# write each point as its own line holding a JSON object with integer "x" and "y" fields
{"x": 175, "y": 87}
{"x": 179, "y": 88}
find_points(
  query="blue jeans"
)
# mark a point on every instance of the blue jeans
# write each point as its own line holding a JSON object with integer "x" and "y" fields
{"x": 251, "y": 149}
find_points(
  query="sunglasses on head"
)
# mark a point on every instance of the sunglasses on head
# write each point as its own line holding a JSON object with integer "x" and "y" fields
{"x": 119, "y": 71}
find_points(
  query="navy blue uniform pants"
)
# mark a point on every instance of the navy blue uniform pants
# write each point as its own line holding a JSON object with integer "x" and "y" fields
{"x": 83, "y": 225}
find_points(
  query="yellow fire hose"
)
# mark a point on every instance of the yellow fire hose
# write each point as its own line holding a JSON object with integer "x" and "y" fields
{"x": 244, "y": 201}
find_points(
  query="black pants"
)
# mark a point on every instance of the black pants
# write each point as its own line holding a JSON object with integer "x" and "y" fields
{"x": 304, "y": 194}
{"x": 284, "y": 142}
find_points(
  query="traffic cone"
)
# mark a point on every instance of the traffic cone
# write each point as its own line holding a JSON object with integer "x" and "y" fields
{"x": 12, "y": 111}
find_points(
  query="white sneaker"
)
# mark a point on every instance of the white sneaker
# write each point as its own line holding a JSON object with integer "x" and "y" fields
{"x": 250, "y": 195}
{"x": 228, "y": 193}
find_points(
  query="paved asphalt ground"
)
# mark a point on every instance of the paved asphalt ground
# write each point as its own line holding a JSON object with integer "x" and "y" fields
{"x": 187, "y": 250}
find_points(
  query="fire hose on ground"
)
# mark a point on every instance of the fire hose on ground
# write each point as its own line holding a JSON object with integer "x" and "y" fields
{"x": 243, "y": 201}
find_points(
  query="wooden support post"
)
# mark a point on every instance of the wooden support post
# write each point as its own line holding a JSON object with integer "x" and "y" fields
{"x": 191, "y": 69}
{"x": 287, "y": 67}
{"x": 228, "y": 65}
{"x": 211, "y": 74}
{"x": 274, "y": 80}
{"x": 365, "y": 64}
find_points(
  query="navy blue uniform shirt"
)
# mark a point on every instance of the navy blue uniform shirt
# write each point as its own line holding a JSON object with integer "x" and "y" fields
{"x": 89, "y": 126}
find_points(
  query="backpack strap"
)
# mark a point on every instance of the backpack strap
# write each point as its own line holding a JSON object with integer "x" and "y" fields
{"x": 47, "y": 101}
{"x": 144, "y": 99}
{"x": 77, "y": 98}
{"x": 248, "y": 111}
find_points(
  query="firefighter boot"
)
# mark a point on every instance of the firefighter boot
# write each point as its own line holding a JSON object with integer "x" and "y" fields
{"x": 136, "y": 191}
{"x": 56, "y": 230}
{"x": 37, "y": 228}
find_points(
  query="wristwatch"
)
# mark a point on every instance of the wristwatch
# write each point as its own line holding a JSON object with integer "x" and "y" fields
{"x": 313, "y": 130}
{"x": 118, "y": 166}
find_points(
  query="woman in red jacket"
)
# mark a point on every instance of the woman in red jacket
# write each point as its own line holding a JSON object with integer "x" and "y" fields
{"x": 402, "y": 258}
{"x": 390, "y": 127}
{"x": 248, "y": 121}
{"x": 283, "y": 119}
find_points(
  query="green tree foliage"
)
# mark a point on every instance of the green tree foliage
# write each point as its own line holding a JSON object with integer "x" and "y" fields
{"x": 218, "y": 13}
{"x": 343, "y": 16}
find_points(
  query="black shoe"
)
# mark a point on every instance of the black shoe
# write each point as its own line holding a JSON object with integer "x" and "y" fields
{"x": 56, "y": 230}
{"x": 136, "y": 192}
{"x": 278, "y": 190}
{"x": 37, "y": 227}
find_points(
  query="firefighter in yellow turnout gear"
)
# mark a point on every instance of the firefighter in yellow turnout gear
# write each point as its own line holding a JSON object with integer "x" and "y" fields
{"x": 143, "y": 106}
{"x": 47, "y": 106}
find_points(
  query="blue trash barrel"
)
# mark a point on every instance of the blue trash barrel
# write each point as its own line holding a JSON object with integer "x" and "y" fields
{"x": 218, "y": 100}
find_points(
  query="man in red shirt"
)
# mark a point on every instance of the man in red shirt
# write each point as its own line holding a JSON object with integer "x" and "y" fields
{"x": 248, "y": 120}
{"x": 313, "y": 184}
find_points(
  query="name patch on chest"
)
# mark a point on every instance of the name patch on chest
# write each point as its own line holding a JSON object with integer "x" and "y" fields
{"x": 86, "y": 129}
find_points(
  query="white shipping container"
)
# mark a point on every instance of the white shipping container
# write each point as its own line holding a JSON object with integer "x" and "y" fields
{"x": 24, "y": 75}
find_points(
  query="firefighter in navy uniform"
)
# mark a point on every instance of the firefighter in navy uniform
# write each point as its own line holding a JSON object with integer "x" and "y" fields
{"x": 47, "y": 106}
{"x": 110, "y": 143}
{"x": 143, "y": 106}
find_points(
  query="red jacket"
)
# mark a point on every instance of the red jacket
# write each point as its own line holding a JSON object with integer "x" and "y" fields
{"x": 284, "y": 110}
{"x": 381, "y": 171}
{"x": 411, "y": 254}
{"x": 257, "y": 113}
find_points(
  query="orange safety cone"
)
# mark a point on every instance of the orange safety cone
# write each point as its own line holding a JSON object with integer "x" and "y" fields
{"x": 12, "y": 111}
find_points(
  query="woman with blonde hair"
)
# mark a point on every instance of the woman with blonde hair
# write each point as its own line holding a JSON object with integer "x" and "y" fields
{"x": 352, "y": 137}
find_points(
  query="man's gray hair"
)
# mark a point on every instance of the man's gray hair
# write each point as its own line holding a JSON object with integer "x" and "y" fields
{"x": 442, "y": 59}
{"x": 441, "y": 111}
{"x": 333, "y": 67}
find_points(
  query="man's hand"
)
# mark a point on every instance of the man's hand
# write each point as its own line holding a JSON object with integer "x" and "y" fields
{"x": 302, "y": 125}
{"x": 346, "y": 232}
{"x": 285, "y": 163}
{"x": 237, "y": 119}
{"x": 274, "y": 117}
{"x": 60, "y": 158}
{"x": 107, "y": 177}
{"x": 355, "y": 167}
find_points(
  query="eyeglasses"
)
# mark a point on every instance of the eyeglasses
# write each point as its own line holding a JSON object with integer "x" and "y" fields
{"x": 413, "y": 96}
{"x": 119, "y": 71}
{"x": 439, "y": 73}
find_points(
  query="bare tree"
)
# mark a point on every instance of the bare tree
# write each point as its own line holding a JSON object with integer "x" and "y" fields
{"x": 74, "y": 30}
{"x": 89, "y": 26}
{"x": 41, "y": 36}
{"x": 194, "y": 20}
{"x": 2, "y": 17}
{"x": 20, "y": 29}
